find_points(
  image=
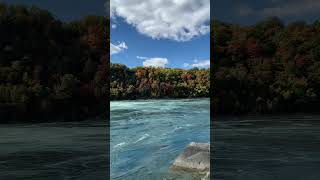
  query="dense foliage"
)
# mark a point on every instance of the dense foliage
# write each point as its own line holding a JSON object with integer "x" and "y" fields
{"x": 150, "y": 82}
{"x": 51, "y": 69}
{"x": 269, "y": 67}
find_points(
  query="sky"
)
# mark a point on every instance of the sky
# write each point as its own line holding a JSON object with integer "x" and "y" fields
{"x": 248, "y": 12}
{"x": 66, "y": 10}
{"x": 160, "y": 33}
{"x": 165, "y": 33}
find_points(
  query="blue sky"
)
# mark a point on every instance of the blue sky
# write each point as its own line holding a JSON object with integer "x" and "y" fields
{"x": 160, "y": 33}
{"x": 66, "y": 10}
{"x": 172, "y": 32}
{"x": 178, "y": 35}
{"x": 249, "y": 12}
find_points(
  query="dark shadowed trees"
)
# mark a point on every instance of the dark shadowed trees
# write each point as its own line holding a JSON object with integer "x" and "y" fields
{"x": 265, "y": 68}
{"x": 51, "y": 69}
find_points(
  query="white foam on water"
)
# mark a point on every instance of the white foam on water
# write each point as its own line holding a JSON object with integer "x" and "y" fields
{"x": 119, "y": 145}
{"x": 155, "y": 131}
{"x": 142, "y": 138}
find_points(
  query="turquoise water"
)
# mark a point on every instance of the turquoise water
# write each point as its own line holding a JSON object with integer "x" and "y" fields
{"x": 147, "y": 135}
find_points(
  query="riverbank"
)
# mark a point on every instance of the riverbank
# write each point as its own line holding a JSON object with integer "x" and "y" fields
{"x": 152, "y": 99}
{"x": 51, "y": 119}
{"x": 270, "y": 117}
{"x": 159, "y": 98}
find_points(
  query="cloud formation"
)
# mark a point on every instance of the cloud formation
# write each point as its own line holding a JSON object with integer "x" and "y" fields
{"x": 179, "y": 20}
{"x": 198, "y": 64}
{"x": 154, "y": 61}
{"x": 115, "y": 49}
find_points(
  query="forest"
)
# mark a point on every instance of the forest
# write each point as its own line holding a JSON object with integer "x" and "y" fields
{"x": 268, "y": 67}
{"x": 152, "y": 82}
{"x": 51, "y": 69}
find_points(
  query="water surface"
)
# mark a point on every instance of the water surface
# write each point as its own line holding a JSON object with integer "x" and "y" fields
{"x": 53, "y": 151}
{"x": 147, "y": 135}
{"x": 265, "y": 148}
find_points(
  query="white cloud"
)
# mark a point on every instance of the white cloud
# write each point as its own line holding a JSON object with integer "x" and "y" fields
{"x": 113, "y": 26}
{"x": 186, "y": 64}
{"x": 179, "y": 20}
{"x": 154, "y": 62}
{"x": 141, "y": 57}
{"x": 198, "y": 64}
{"x": 115, "y": 49}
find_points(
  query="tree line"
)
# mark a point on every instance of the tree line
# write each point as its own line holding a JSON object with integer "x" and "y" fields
{"x": 152, "y": 82}
{"x": 268, "y": 67}
{"x": 49, "y": 68}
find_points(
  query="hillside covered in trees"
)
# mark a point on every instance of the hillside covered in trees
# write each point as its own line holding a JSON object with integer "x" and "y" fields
{"x": 269, "y": 67}
{"x": 151, "y": 82}
{"x": 51, "y": 69}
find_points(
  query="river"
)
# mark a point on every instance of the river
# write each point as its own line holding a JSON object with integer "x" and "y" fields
{"x": 264, "y": 148}
{"x": 51, "y": 151}
{"x": 147, "y": 135}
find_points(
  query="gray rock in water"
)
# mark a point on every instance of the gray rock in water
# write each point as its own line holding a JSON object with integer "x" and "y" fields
{"x": 196, "y": 157}
{"x": 207, "y": 177}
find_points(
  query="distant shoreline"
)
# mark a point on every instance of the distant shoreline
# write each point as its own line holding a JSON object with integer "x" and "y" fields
{"x": 271, "y": 117}
{"x": 141, "y": 99}
{"x": 98, "y": 118}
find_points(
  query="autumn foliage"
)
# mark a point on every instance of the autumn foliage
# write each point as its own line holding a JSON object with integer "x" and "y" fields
{"x": 268, "y": 67}
{"x": 151, "y": 82}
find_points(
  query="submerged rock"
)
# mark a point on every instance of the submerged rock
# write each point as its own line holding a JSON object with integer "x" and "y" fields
{"x": 195, "y": 158}
{"x": 207, "y": 176}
